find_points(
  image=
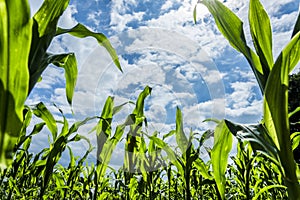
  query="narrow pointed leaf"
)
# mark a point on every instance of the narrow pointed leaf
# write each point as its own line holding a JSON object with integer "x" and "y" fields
{"x": 41, "y": 111}
{"x": 219, "y": 155}
{"x": 69, "y": 63}
{"x": 276, "y": 95}
{"x": 48, "y": 14}
{"x": 276, "y": 109}
{"x": 15, "y": 37}
{"x": 103, "y": 128}
{"x": 81, "y": 31}
{"x": 108, "y": 148}
{"x": 181, "y": 139}
{"x": 170, "y": 153}
{"x": 295, "y": 138}
{"x": 139, "y": 108}
{"x": 257, "y": 135}
{"x": 232, "y": 29}
{"x": 202, "y": 168}
{"x": 261, "y": 33}
{"x": 195, "y": 14}
{"x": 43, "y": 31}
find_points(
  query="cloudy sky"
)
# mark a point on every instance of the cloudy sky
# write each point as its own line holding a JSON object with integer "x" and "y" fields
{"x": 187, "y": 65}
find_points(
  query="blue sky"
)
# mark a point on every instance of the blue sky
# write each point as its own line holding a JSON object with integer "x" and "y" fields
{"x": 187, "y": 65}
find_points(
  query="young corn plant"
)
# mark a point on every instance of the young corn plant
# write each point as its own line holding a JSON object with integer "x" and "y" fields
{"x": 40, "y": 176}
{"x": 253, "y": 176}
{"x": 23, "y": 58}
{"x": 188, "y": 158}
{"x": 272, "y": 136}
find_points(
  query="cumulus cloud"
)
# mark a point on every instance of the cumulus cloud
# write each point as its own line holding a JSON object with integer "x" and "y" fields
{"x": 188, "y": 65}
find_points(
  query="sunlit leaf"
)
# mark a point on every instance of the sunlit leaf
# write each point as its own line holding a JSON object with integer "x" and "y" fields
{"x": 276, "y": 109}
{"x": 41, "y": 111}
{"x": 295, "y": 138}
{"x": 170, "y": 153}
{"x": 257, "y": 135}
{"x": 261, "y": 33}
{"x": 69, "y": 63}
{"x": 48, "y": 14}
{"x": 219, "y": 155}
{"x": 81, "y": 31}
{"x": 181, "y": 139}
{"x": 232, "y": 28}
{"x": 15, "y": 37}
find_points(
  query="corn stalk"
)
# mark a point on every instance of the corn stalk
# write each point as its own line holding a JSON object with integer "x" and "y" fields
{"x": 272, "y": 78}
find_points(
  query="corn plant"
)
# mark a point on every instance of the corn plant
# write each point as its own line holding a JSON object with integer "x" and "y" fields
{"x": 272, "y": 136}
{"x": 188, "y": 158}
{"x": 24, "y": 56}
{"x": 40, "y": 176}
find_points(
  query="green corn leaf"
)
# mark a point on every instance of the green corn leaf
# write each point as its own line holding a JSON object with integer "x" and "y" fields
{"x": 181, "y": 139}
{"x": 290, "y": 56}
{"x": 276, "y": 95}
{"x": 36, "y": 129}
{"x": 219, "y": 155}
{"x": 41, "y": 111}
{"x": 202, "y": 168}
{"x": 133, "y": 185}
{"x": 108, "y": 148}
{"x": 15, "y": 37}
{"x": 265, "y": 189}
{"x": 195, "y": 14}
{"x": 78, "y": 124}
{"x": 69, "y": 63}
{"x": 142, "y": 161}
{"x": 257, "y": 135}
{"x": 170, "y": 153}
{"x": 261, "y": 33}
{"x": 152, "y": 146}
{"x": 48, "y": 14}
{"x": 103, "y": 128}
{"x": 169, "y": 134}
{"x": 276, "y": 110}
{"x": 139, "y": 108}
{"x": 54, "y": 155}
{"x": 295, "y": 138}
{"x": 43, "y": 31}
{"x": 65, "y": 127}
{"x": 81, "y": 31}
{"x": 119, "y": 107}
{"x": 72, "y": 158}
{"x": 28, "y": 115}
{"x": 206, "y": 135}
{"x": 232, "y": 29}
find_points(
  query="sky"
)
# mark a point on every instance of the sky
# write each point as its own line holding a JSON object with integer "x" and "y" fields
{"x": 187, "y": 65}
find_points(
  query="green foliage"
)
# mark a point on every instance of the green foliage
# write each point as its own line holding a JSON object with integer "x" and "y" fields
{"x": 24, "y": 57}
{"x": 219, "y": 154}
{"x": 263, "y": 168}
{"x": 180, "y": 173}
{"x": 15, "y": 29}
{"x": 273, "y": 81}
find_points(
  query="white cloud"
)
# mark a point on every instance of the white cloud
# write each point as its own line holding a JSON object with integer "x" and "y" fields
{"x": 94, "y": 17}
{"x": 174, "y": 54}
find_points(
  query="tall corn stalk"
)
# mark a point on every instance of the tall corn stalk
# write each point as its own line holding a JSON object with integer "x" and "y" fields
{"x": 272, "y": 136}
{"x": 23, "y": 58}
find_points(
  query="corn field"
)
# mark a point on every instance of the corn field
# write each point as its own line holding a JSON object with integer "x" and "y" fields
{"x": 264, "y": 166}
